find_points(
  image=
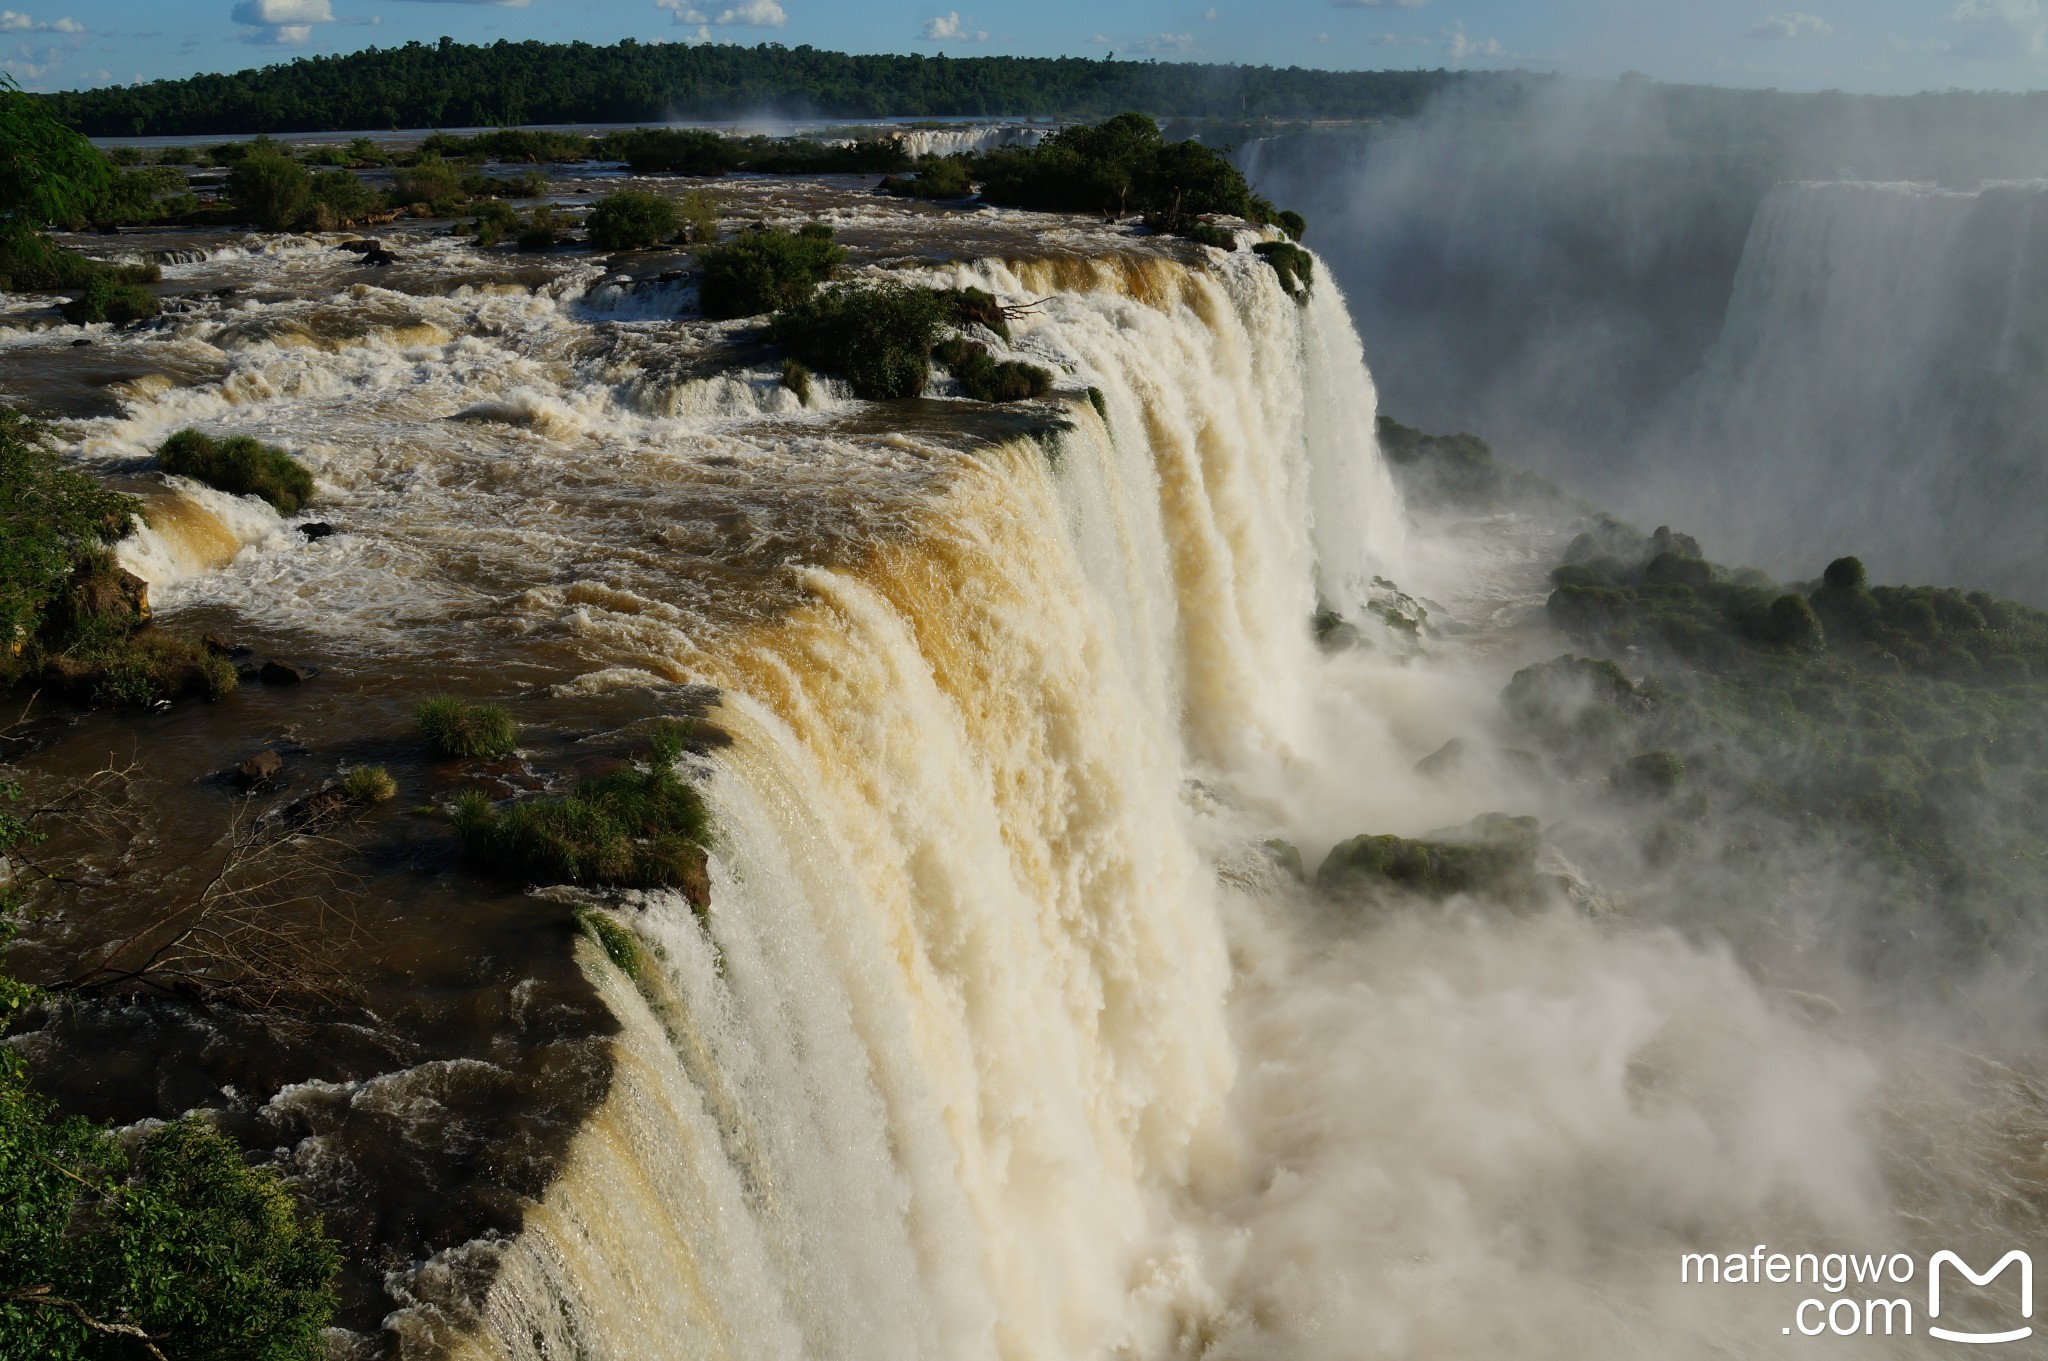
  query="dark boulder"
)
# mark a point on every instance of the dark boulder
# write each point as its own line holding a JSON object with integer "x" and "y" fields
{"x": 317, "y": 530}
{"x": 274, "y": 672}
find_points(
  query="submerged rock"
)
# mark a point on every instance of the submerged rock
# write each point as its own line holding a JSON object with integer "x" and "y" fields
{"x": 274, "y": 672}
{"x": 317, "y": 530}
{"x": 259, "y": 769}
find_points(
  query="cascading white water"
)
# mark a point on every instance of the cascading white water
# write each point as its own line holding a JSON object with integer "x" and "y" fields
{"x": 956, "y": 141}
{"x": 952, "y": 1045}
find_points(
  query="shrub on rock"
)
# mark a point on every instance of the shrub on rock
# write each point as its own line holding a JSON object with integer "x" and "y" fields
{"x": 240, "y": 466}
{"x": 632, "y": 220}
{"x": 764, "y": 270}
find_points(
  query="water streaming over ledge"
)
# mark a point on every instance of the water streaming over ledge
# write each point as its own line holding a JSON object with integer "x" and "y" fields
{"x": 952, "y": 1043}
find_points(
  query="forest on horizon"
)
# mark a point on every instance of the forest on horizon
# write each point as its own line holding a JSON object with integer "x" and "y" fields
{"x": 507, "y": 84}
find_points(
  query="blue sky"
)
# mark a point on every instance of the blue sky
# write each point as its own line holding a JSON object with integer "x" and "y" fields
{"x": 1862, "y": 45}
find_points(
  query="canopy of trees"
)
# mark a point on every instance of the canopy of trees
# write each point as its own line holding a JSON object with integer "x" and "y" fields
{"x": 456, "y": 85}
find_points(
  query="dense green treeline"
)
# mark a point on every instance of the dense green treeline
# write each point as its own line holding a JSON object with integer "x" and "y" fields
{"x": 507, "y": 83}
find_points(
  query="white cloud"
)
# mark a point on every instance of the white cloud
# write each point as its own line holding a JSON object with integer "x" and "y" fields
{"x": 1460, "y": 46}
{"x": 1211, "y": 14}
{"x": 1396, "y": 40}
{"x": 951, "y": 29}
{"x": 1102, "y": 40}
{"x": 1793, "y": 25}
{"x": 2000, "y": 29}
{"x": 271, "y": 13}
{"x": 11, "y": 22}
{"x": 753, "y": 14}
{"x": 1378, "y": 4}
{"x": 1166, "y": 44}
{"x": 280, "y": 23}
{"x": 503, "y": 4}
{"x": 685, "y": 13}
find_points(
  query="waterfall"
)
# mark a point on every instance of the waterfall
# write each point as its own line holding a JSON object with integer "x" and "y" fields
{"x": 936, "y": 1074}
{"x": 1874, "y": 388}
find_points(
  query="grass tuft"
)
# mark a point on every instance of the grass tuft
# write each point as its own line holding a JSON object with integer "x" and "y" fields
{"x": 455, "y": 729}
{"x": 369, "y": 784}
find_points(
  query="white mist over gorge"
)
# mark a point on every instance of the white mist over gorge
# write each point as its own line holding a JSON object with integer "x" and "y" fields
{"x": 1774, "y": 317}
{"x": 1191, "y": 868}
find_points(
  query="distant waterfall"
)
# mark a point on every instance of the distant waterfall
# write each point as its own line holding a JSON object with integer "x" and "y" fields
{"x": 951, "y": 1047}
{"x": 1876, "y": 388}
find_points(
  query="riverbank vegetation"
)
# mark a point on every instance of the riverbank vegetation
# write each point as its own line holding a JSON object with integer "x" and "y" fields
{"x": 70, "y": 617}
{"x": 162, "y": 1245}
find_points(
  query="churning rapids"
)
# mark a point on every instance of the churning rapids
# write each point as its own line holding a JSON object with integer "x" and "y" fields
{"x": 1004, "y": 1036}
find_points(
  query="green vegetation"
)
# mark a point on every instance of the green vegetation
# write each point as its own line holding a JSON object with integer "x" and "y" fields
{"x": 456, "y": 729}
{"x": 879, "y": 336}
{"x": 797, "y": 379}
{"x": 369, "y": 784}
{"x": 1295, "y": 266}
{"x": 1456, "y": 470}
{"x": 269, "y": 186}
{"x": 699, "y": 213}
{"x": 50, "y": 176}
{"x": 1900, "y": 728}
{"x": 693, "y": 151}
{"x": 762, "y": 270}
{"x": 1495, "y": 855}
{"x": 240, "y": 466}
{"x": 428, "y": 180}
{"x": 175, "y": 1250}
{"x": 1117, "y": 168}
{"x": 946, "y": 178}
{"x": 69, "y": 617}
{"x": 340, "y": 199}
{"x": 983, "y": 379}
{"x": 637, "y": 828}
{"x": 1292, "y": 223}
{"x": 632, "y": 220}
{"x": 615, "y": 940}
{"x": 103, "y": 299}
{"x": 53, "y": 519}
{"x": 884, "y": 337}
{"x": 543, "y": 228}
{"x": 450, "y": 84}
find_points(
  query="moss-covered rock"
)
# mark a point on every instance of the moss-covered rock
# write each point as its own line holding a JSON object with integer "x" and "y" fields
{"x": 1493, "y": 856}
